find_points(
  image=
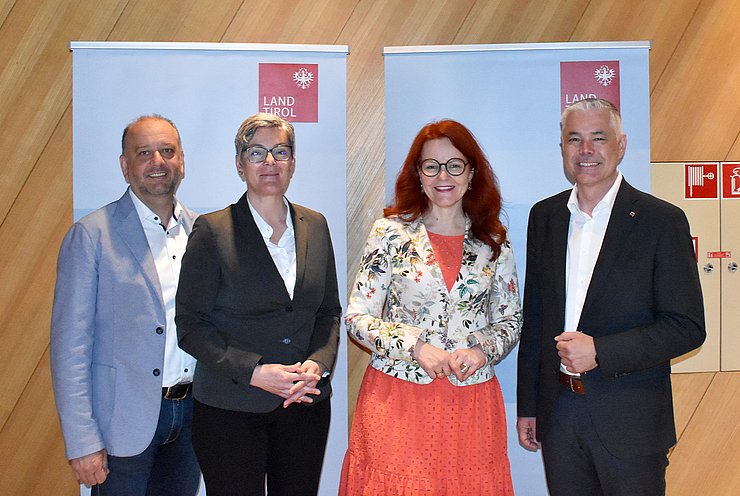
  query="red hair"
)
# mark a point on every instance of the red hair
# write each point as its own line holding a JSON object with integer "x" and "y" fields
{"x": 482, "y": 203}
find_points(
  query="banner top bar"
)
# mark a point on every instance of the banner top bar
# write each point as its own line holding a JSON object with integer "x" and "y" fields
{"x": 253, "y": 47}
{"x": 515, "y": 47}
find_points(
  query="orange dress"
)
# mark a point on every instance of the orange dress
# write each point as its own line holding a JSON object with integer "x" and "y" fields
{"x": 428, "y": 439}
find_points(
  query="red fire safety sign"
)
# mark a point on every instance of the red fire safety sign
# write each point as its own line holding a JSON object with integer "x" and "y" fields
{"x": 731, "y": 180}
{"x": 701, "y": 181}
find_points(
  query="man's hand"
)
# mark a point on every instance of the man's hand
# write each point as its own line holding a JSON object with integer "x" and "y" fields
{"x": 526, "y": 428}
{"x": 577, "y": 351}
{"x": 91, "y": 469}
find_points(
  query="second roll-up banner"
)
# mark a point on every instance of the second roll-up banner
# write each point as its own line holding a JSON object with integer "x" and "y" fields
{"x": 510, "y": 96}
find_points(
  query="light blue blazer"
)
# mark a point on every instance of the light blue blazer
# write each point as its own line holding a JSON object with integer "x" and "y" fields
{"x": 107, "y": 339}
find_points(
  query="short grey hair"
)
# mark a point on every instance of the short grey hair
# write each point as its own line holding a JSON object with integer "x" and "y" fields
{"x": 594, "y": 104}
{"x": 261, "y": 120}
{"x": 146, "y": 117}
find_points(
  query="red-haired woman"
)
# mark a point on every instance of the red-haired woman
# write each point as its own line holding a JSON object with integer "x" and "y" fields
{"x": 436, "y": 301}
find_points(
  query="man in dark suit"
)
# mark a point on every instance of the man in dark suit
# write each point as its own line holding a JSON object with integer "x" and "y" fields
{"x": 611, "y": 296}
{"x": 121, "y": 383}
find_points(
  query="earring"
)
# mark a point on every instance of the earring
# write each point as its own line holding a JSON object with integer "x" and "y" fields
{"x": 422, "y": 187}
{"x": 470, "y": 186}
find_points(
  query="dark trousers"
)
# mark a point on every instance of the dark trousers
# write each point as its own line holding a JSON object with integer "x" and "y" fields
{"x": 240, "y": 451}
{"x": 577, "y": 463}
{"x": 167, "y": 467}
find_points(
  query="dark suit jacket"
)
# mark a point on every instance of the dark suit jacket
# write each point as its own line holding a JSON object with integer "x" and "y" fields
{"x": 643, "y": 307}
{"x": 234, "y": 312}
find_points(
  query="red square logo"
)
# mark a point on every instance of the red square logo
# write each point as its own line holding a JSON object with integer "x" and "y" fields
{"x": 701, "y": 181}
{"x": 290, "y": 91}
{"x": 592, "y": 79}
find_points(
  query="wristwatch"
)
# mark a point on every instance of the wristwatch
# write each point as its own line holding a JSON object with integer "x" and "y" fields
{"x": 472, "y": 341}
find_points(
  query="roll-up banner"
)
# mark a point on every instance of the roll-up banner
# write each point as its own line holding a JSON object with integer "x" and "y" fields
{"x": 208, "y": 89}
{"x": 511, "y": 96}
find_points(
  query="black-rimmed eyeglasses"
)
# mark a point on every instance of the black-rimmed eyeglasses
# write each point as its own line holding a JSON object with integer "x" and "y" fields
{"x": 454, "y": 167}
{"x": 258, "y": 153}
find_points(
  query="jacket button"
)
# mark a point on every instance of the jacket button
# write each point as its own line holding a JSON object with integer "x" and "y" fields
{"x": 234, "y": 381}
{"x": 156, "y": 372}
{"x": 159, "y": 330}
{"x": 285, "y": 341}
{"x": 289, "y": 308}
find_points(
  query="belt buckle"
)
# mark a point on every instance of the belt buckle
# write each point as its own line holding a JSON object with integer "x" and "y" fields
{"x": 177, "y": 392}
{"x": 570, "y": 384}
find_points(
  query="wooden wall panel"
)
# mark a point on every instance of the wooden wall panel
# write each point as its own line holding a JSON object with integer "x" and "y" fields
{"x": 30, "y": 237}
{"x": 662, "y": 22}
{"x": 285, "y": 21}
{"x": 734, "y": 154}
{"x": 174, "y": 20}
{"x": 5, "y": 6}
{"x": 694, "y": 110}
{"x": 31, "y": 445}
{"x": 688, "y": 391}
{"x": 706, "y": 460}
{"x": 516, "y": 21}
{"x": 695, "y": 106}
{"x": 35, "y": 83}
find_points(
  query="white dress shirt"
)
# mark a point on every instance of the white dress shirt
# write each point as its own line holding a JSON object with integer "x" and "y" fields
{"x": 585, "y": 236}
{"x": 282, "y": 253}
{"x": 167, "y": 247}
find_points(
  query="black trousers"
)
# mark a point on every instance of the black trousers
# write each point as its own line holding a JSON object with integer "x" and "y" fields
{"x": 239, "y": 452}
{"x": 577, "y": 463}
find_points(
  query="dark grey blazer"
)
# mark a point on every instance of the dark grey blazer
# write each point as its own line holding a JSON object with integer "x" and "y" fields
{"x": 643, "y": 307}
{"x": 233, "y": 310}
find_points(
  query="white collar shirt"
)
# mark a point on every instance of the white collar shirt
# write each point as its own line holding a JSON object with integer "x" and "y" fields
{"x": 167, "y": 246}
{"x": 283, "y": 253}
{"x": 585, "y": 237}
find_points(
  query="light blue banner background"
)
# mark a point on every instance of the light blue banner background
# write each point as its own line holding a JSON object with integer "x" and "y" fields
{"x": 509, "y": 97}
{"x": 208, "y": 92}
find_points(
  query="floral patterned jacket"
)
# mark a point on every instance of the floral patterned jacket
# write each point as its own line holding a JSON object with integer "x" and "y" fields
{"x": 399, "y": 296}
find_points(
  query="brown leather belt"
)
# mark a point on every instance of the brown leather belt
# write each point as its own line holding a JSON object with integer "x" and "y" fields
{"x": 177, "y": 392}
{"x": 572, "y": 382}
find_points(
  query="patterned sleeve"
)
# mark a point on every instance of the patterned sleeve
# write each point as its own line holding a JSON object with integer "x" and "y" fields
{"x": 501, "y": 334}
{"x": 364, "y": 317}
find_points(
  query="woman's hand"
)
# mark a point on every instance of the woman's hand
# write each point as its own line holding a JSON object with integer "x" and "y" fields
{"x": 286, "y": 381}
{"x": 301, "y": 389}
{"x": 465, "y": 362}
{"x": 434, "y": 361}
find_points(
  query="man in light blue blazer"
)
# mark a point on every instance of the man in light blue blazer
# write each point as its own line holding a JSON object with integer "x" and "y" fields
{"x": 121, "y": 383}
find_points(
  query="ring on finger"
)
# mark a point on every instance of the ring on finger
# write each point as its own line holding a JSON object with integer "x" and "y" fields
{"x": 464, "y": 367}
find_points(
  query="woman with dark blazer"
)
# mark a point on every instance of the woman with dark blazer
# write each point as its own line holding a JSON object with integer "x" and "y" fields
{"x": 258, "y": 307}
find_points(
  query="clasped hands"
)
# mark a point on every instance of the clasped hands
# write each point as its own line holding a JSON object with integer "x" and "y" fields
{"x": 439, "y": 363}
{"x": 295, "y": 383}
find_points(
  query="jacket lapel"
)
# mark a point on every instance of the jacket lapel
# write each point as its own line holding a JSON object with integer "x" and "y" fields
{"x": 300, "y": 228}
{"x": 558, "y": 247}
{"x": 129, "y": 227}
